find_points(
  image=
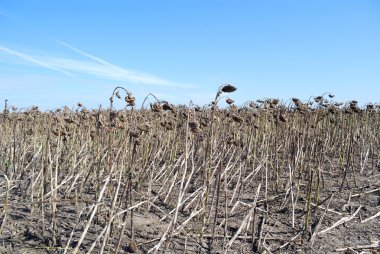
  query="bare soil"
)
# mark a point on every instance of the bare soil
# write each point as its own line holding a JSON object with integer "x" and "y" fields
{"x": 27, "y": 227}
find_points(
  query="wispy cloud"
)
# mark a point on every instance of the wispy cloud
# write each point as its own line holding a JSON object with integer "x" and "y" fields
{"x": 96, "y": 59}
{"x": 32, "y": 59}
{"x": 97, "y": 67}
{"x": 111, "y": 70}
{"x": 6, "y": 14}
{"x": 102, "y": 71}
{"x": 3, "y": 13}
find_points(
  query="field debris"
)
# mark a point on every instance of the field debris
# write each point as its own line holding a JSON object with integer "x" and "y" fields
{"x": 268, "y": 176}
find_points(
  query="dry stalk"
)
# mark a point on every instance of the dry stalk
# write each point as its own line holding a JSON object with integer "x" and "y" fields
{"x": 245, "y": 221}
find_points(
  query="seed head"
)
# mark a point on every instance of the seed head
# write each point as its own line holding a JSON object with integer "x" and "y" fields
{"x": 167, "y": 106}
{"x": 348, "y": 111}
{"x": 370, "y": 107}
{"x": 85, "y": 111}
{"x": 227, "y": 88}
{"x": 134, "y": 134}
{"x": 132, "y": 247}
{"x": 205, "y": 122}
{"x": 318, "y": 99}
{"x": 113, "y": 115}
{"x": 68, "y": 120}
{"x": 333, "y": 109}
{"x": 56, "y": 132}
{"x": 237, "y": 118}
{"x": 145, "y": 127}
{"x": 274, "y": 101}
{"x": 122, "y": 118}
{"x": 252, "y": 104}
{"x": 194, "y": 126}
{"x": 92, "y": 134}
{"x": 156, "y": 107}
{"x": 237, "y": 143}
{"x": 283, "y": 118}
{"x": 30, "y": 131}
{"x": 168, "y": 125}
{"x": 130, "y": 99}
{"x": 296, "y": 101}
{"x": 229, "y": 101}
{"x": 230, "y": 140}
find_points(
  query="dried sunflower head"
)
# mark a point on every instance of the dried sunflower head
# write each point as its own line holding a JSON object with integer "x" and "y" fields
{"x": 237, "y": 118}
{"x": 145, "y": 127}
{"x": 194, "y": 126}
{"x": 156, "y": 107}
{"x": 132, "y": 247}
{"x": 229, "y": 101}
{"x": 370, "y": 107}
{"x": 283, "y": 118}
{"x": 274, "y": 101}
{"x": 227, "y": 88}
{"x": 131, "y": 100}
{"x": 167, "y": 106}
{"x": 318, "y": 99}
{"x": 296, "y": 101}
{"x": 134, "y": 134}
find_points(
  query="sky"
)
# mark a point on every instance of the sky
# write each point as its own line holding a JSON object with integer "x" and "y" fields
{"x": 56, "y": 53}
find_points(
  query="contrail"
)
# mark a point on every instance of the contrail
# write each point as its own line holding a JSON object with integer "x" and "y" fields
{"x": 97, "y": 59}
{"x": 7, "y": 14}
{"x": 135, "y": 76}
{"x": 98, "y": 67}
{"x": 4, "y": 14}
{"x": 32, "y": 60}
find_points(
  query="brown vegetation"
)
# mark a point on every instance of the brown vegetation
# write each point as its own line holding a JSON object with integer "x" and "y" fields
{"x": 264, "y": 177}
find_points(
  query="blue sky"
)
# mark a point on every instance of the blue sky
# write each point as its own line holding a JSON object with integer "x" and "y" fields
{"x": 55, "y": 53}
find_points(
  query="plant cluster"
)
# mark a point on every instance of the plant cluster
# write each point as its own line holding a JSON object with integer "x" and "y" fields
{"x": 168, "y": 178}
